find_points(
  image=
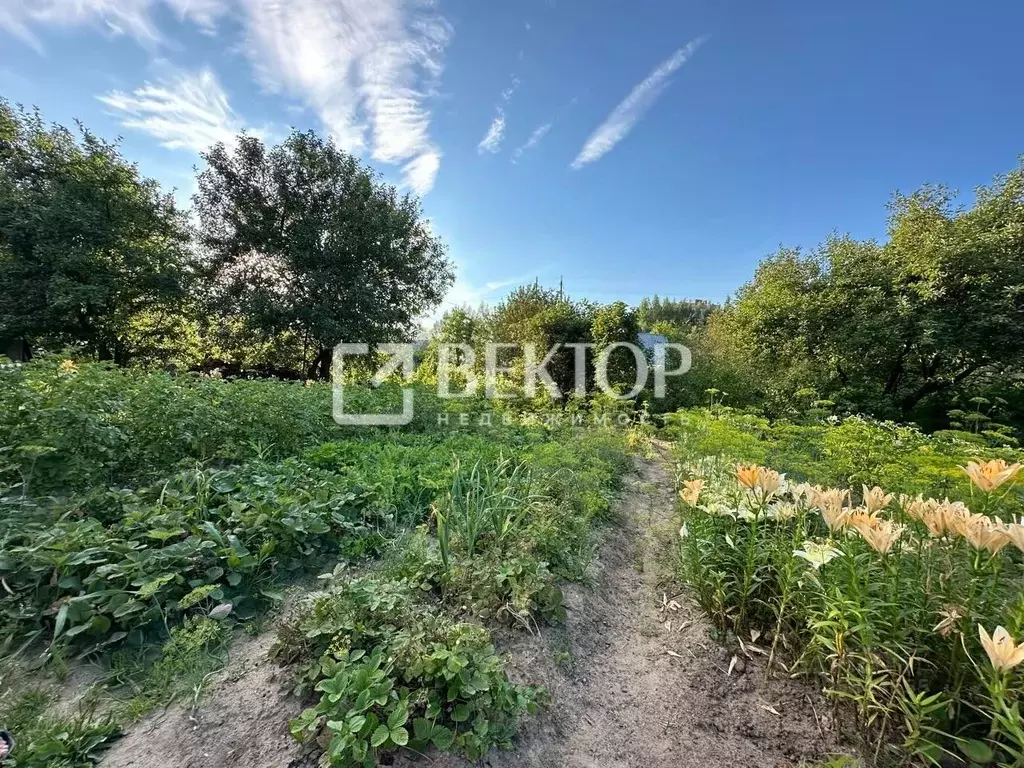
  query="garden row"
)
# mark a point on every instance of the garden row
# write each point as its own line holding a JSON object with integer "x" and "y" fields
{"x": 882, "y": 562}
{"x": 230, "y": 491}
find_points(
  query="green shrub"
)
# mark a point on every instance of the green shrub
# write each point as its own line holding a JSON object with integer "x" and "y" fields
{"x": 392, "y": 672}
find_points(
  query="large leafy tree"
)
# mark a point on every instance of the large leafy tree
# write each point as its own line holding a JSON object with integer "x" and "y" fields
{"x": 902, "y": 328}
{"x": 87, "y": 244}
{"x": 302, "y": 238}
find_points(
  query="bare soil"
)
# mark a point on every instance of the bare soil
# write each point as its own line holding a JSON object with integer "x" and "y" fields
{"x": 242, "y": 720}
{"x": 634, "y": 675}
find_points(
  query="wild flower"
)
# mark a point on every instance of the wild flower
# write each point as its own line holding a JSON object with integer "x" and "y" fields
{"x": 875, "y": 499}
{"x": 881, "y": 535}
{"x": 915, "y": 507}
{"x": 781, "y": 511}
{"x": 984, "y": 533}
{"x": 691, "y": 491}
{"x": 1015, "y": 533}
{"x": 769, "y": 482}
{"x": 861, "y": 517}
{"x": 939, "y": 517}
{"x": 989, "y": 475}
{"x": 830, "y": 503}
{"x": 802, "y": 491}
{"x": 684, "y": 532}
{"x": 747, "y": 475}
{"x": 1003, "y": 651}
{"x": 68, "y": 366}
{"x": 951, "y": 614}
{"x": 817, "y": 554}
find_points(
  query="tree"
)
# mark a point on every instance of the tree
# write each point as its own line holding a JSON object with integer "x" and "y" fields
{"x": 86, "y": 243}
{"x": 901, "y": 329}
{"x": 303, "y": 238}
{"x": 683, "y": 314}
{"x": 612, "y": 324}
{"x": 534, "y": 315}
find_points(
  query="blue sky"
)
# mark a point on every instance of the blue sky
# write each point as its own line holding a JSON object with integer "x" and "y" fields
{"x": 629, "y": 148}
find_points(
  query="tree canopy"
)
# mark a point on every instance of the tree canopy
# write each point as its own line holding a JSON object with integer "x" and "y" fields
{"x": 303, "y": 238}
{"x": 87, "y": 244}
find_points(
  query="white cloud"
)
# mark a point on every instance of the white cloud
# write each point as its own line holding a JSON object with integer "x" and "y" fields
{"x": 535, "y": 138}
{"x": 496, "y": 131}
{"x": 495, "y": 135}
{"x": 121, "y": 17}
{"x": 625, "y": 116}
{"x": 367, "y": 67}
{"x": 188, "y": 110}
{"x": 421, "y": 171}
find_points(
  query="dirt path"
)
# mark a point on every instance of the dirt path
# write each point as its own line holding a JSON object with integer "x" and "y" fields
{"x": 640, "y": 685}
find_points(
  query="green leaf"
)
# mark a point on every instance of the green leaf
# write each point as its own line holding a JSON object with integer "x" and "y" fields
{"x": 400, "y": 736}
{"x": 398, "y": 717}
{"x": 442, "y": 737}
{"x": 421, "y": 728}
{"x": 380, "y": 736}
{"x": 977, "y": 751}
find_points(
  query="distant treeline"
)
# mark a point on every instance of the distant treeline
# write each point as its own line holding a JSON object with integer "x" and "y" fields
{"x": 289, "y": 249}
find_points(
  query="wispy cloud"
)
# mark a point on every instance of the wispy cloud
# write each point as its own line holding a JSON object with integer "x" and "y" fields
{"x": 495, "y": 135}
{"x": 535, "y": 138}
{"x": 542, "y": 130}
{"x": 187, "y": 110}
{"x": 625, "y": 116}
{"x": 120, "y": 17}
{"x": 367, "y": 68}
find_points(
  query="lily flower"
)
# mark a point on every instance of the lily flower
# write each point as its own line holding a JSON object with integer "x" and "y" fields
{"x": 817, "y": 554}
{"x": 984, "y": 533}
{"x": 782, "y": 511}
{"x": 875, "y": 499}
{"x": 769, "y": 481}
{"x": 881, "y": 535}
{"x": 1015, "y": 532}
{"x": 691, "y": 491}
{"x": 830, "y": 503}
{"x": 747, "y": 475}
{"x": 1002, "y": 650}
{"x": 989, "y": 475}
{"x": 861, "y": 517}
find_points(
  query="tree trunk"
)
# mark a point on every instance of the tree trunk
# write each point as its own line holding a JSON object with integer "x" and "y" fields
{"x": 320, "y": 368}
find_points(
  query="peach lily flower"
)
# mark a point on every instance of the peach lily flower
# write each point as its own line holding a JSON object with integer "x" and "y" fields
{"x": 875, "y": 499}
{"x": 881, "y": 535}
{"x": 691, "y": 491}
{"x": 989, "y": 475}
{"x": 748, "y": 475}
{"x": 1002, "y": 650}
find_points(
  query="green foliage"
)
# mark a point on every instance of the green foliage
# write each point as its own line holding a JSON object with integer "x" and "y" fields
{"x": 612, "y": 324}
{"x": 392, "y": 672}
{"x": 87, "y": 245}
{"x": 48, "y": 741}
{"x": 658, "y": 315}
{"x": 901, "y": 329}
{"x": 119, "y": 564}
{"x": 344, "y": 257}
{"x": 891, "y": 633}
